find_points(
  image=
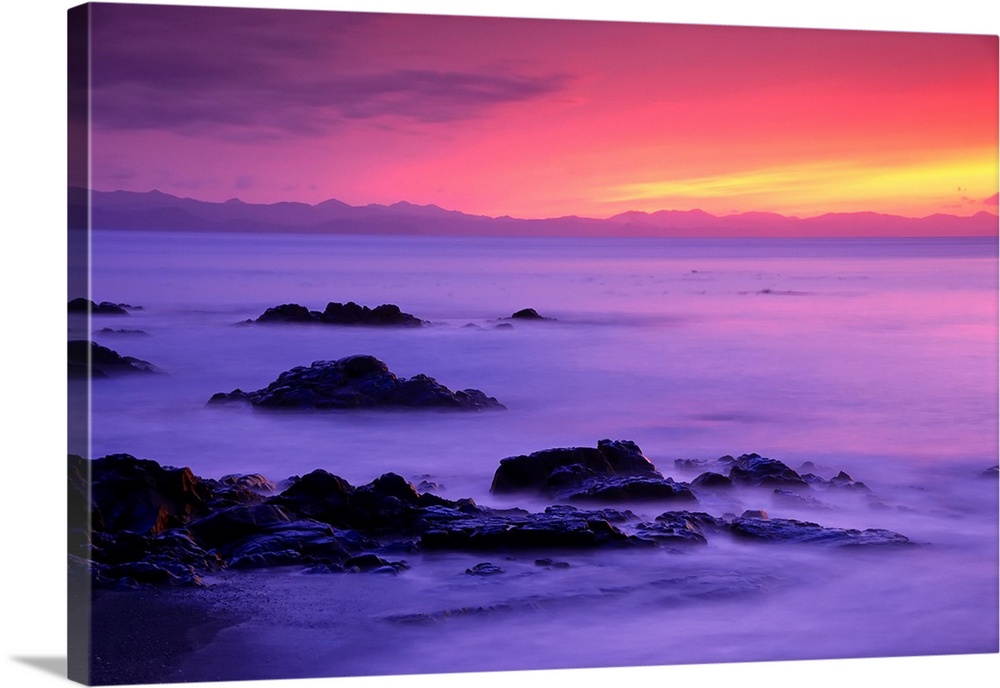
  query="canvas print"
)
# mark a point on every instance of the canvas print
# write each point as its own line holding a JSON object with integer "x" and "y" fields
{"x": 413, "y": 344}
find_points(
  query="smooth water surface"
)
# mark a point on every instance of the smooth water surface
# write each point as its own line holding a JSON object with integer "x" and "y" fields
{"x": 878, "y": 357}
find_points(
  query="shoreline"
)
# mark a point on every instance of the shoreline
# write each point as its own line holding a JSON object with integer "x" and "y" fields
{"x": 146, "y": 635}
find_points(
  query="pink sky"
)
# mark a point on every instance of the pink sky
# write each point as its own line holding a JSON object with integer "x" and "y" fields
{"x": 538, "y": 118}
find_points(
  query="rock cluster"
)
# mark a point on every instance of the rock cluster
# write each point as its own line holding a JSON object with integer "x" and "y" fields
{"x": 86, "y": 358}
{"x": 158, "y": 525}
{"x": 82, "y": 305}
{"x": 355, "y": 382}
{"x": 349, "y": 313}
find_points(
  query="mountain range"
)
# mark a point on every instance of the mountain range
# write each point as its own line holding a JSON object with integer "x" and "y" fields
{"x": 154, "y": 210}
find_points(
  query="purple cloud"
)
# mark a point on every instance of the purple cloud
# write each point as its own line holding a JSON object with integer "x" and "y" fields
{"x": 204, "y": 70}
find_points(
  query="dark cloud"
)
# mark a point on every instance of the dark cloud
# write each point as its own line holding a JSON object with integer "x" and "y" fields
{"x": 199, "y": 70}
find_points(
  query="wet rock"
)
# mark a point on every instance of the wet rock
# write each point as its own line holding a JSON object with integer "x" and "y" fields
{"x": 237, "y": 522}
{"x": 528, "y": 314}
{"x": 164, "y": 526}
{"x": 562, "y": 468}
{"x": 484, "y": 569}
{"x": 804, "y": 532}
{"x": 631, "y": 488}
{"x": 86, "y": 358}
{"x": 356, "y": 382}
{"x": 549, "y": 563}
{"x": 560, "y": 527}
{"x": 318, "y": 495}
{"x": 349, "y": 313}
{"x": 82, "y": 305}
{"x": 143, "y": 497}
{"x": 757, "y": 470}
{"x": 679, "y": 527}
{"x": 712, "y": 481}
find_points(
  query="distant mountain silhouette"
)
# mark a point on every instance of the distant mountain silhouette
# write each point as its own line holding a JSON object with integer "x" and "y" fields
{"x": 154, "y": 210}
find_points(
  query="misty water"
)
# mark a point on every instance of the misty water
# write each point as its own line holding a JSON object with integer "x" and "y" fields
{"x": 877, "y": 357}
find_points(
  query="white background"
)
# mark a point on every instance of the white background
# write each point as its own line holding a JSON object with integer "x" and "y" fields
{"x": 32, "y": 387}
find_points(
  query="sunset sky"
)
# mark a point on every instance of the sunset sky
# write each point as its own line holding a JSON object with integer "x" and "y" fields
{"x": 537, "y": 118}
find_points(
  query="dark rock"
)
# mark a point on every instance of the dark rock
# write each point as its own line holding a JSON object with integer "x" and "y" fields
{"x": 82, "y": 305}
{"x": 789, "y": 530}
{"x": 288, "y": 313}
{"x": 237, "y": 395}
{"x": 237, "y": 522}
{"x": 164, "y": 526}
{"x": 631, "y": 488}
{"x": 556, "y": 528}
{"x": 144, "y": 497}
{"x": 253, "y": 481}
{"x": 712, "y": 481}
{"x": 551, "y": 563}
{"x": 991, "y": 472}
{"x": 555, "y": 469}
{"x": 113, "y": 331}
{"x": 674, "y": 528}
{"x": 318, "y": 495}
{"x": 756, "y": 470}
{"x": 354, "y": 382}
{"x": 528, "y": 314}
{"x": 86, "y": 358}
{"x": 484, "y": 569}
{"x": 348, "y": 313}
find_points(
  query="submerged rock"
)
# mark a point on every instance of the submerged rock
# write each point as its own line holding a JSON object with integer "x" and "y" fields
{"x": 349, "y": 313}
{"x": 89, "y": 359}
{"x": 353, "y": 382}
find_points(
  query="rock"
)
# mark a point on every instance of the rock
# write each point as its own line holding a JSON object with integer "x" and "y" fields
{"x": 556, "y": 528}
{"x": 348, "y": 313}
{"x": 991, "y": 472}
{"x": 756, "y": 470}
{"x": 630, "y": 488}
{"x": 254, "y": 482}
{"x": 88, "y": 358}
{"x": 114, "y": 331}
{"x": 237, "y": 522}
{"x": 318, "y": 495}
{"x": 288, "y": 313}
{"x": 789, "y": 530}
{"x": 682, "y": 527}
{"x": 562, "y": 468}
{"x": 156, "y": 525}
{"x": 528, "y": 314}
{"x": 82, "y": 305}
{"x": 484, "y": 569}
{"x": 143, "y": 497}
{"x": 712, "y": 481}
{"x": 355, "y": 382}
{"x": 550, "y": 563}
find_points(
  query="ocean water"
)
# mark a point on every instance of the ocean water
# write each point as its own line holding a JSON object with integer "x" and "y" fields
{"x": 874, "y": 356}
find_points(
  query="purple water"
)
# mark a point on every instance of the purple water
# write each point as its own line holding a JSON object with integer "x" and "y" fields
{"x": 877, "y": 357}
